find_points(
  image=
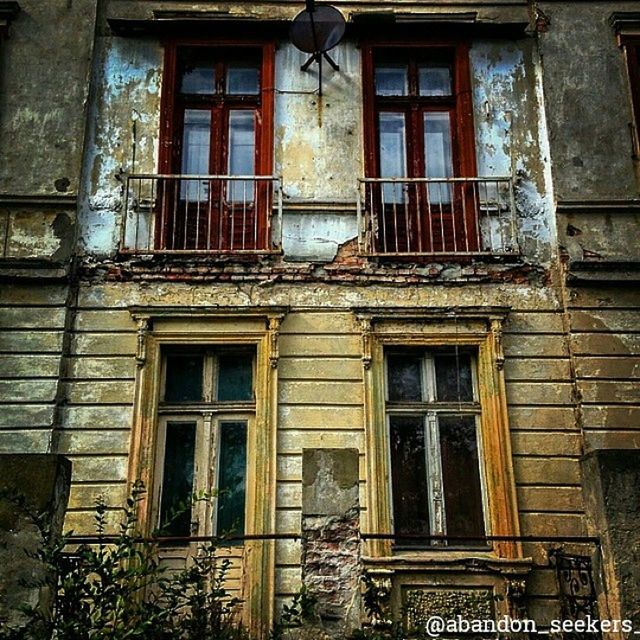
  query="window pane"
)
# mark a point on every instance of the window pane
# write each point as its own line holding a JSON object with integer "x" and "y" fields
{"x": 391, "y": 80}
{"x": 231, "y": 480}
{"x": 404, "y": 375}
{"x": 183, "y": 378}
{"x": 438, "y": 158}
{"x": 409, "y": 477}
{"x": 196, "y": 136}
{"x": 177, "y": 479}
{"x": 461, "y": 477}
{"x": 393, "y": 154}
{"x": 453, "y": 377}
{"x": 434, "y": 80}
{"x": 243, "y": 78}
{"x": 235, "y": 377}
{"x": 242, "y": 152}
{"x": 197, "y": 72}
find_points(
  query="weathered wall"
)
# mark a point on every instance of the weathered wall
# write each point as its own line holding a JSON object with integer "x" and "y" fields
{"x": 318, "y": 141}
{"x": 612, "y": 499}
{"x": 29, "y": 484}
{"x": 321, "y": 400}
{"x": 588, "y": 104}
{"x": 32, "y": 321}
{"x": 44, "y": 85}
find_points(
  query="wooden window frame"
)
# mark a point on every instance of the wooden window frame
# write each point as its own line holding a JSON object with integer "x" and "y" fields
{"x": 428, "y": 408}
{"x": 217, "y": 329}
{"x": 218, "y": 221}
{"x": 461, "y": 212}
{"x": 631, "y": 48}
{"x": 460, "y": 104}
{"x": 170, "y": 129}
{"x": 208, "y": 414}
{"x": 477, "y": 330}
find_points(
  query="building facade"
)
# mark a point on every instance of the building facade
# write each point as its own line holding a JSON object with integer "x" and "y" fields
{"x": 392, "y": 300}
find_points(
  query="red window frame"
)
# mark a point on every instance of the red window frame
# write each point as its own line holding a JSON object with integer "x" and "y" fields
{"x": 631, "y": 46}
{"x": 460, "y": 107}
{"x": 173, "y": 106}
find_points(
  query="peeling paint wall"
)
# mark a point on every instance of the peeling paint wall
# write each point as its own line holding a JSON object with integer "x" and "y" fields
{"x": 318, "y": 141}
{"x": 511, "y": 136}
{"x": 124, "y": 121}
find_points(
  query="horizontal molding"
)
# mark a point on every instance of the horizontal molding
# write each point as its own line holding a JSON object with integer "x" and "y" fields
{"x": 622, "y": 205}
{"x": 38, "y": 200}
{"x": 622, "y": 21}
{"x": 604, "y": 272}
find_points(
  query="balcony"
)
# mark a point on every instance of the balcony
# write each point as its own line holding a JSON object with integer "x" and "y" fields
{"x": 437, "y": 217}
{"x": 201, "y": 215}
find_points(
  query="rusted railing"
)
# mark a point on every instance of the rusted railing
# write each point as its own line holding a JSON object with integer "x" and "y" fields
{"x": 437, "y": 216}
{"x": 201, "y": 214}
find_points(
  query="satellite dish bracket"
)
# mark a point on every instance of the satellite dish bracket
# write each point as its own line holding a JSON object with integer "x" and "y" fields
{"x": 316, "y": 57}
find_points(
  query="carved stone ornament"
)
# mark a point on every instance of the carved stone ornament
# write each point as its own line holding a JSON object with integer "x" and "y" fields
{"x": 274, "y": 334}
{"x": 365, "y": 324}
{"x": 141, "y": 343}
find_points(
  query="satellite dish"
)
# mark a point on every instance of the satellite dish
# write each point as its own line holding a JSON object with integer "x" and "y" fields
{"x": 317, "y": 30}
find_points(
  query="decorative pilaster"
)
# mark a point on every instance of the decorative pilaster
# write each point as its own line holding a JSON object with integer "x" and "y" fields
{"x": 365, "y": 323}
{"x": 274, "y": 334}
{"x": 496, "y": 332}
{"x": 141, "y": 344}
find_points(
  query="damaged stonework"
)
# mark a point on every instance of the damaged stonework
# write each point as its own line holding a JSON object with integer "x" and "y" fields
{"x": 330, "y": 531}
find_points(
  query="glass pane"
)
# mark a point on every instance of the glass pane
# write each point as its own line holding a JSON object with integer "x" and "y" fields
{"x": 393, "y": 154}
{"x": 409, "y": 477}
{"x": 461, "y": 477}
{"x": 404, "y": 375}
{"x": 231, "y": 479}
{"x": 235, "y": 377}
{"x": 177, "y": 479}
{"x": 243, "y": 78}
{"x": 438, "y": 158}
{"x": 242, "y": 153}
{"x": 183, "y": 378}
{"x": 197, "y": 72}
{"x": 391, "y": 80}
{"x": 453, "y": 377}
{"x": 434, "y": 80}
{"x": 196, "y": 137}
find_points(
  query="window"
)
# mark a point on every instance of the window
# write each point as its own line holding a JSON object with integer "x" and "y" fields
{"x": 432, "y": 413}
{"x": 217, "y": 140}
{"x": 632, "y": 51}
{"x": 419, "y": 136}
{"x": 437, "y": 430}
{"x": 206, "y": 407}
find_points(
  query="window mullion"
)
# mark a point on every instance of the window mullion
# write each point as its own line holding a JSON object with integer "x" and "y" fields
{"x": 434, "y": 474}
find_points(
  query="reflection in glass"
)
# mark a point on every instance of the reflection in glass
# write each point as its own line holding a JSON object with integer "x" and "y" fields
{"x": 197, "y": 75}
{"x": 391, "y": 80}
{"x": 183, "y": 379}
{"x": 393, "y": 154}
{"x": 461, "y": 477}
{"x": 453, "y": 377}
{"x": 196, "y": 137}
{"x": 434, "y": 80}
{"x": 404, "y": 375}
{"x": 231, "y": 478}
{"x": 235, "y": 377}
{"x": 243, "y": 78}
{"x": 438, "y": 156}
{"x": 177, "y": 479}
{"x": 409, "y": 477}
{"x": 242, "y": 151}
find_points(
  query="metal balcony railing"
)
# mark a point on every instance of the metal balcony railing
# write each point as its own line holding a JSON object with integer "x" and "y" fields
{"x": 437, "y": 217}
{"x": 201, "y": 214}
